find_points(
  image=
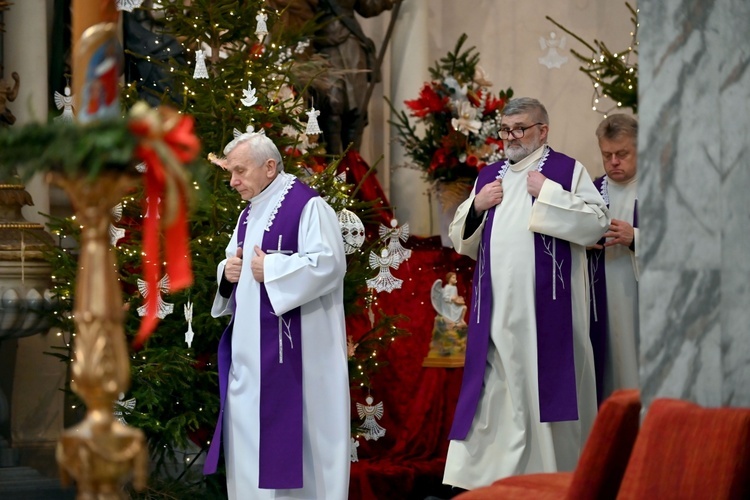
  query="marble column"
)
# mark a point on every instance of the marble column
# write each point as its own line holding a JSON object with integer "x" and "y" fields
{"x": 694, "y": 107}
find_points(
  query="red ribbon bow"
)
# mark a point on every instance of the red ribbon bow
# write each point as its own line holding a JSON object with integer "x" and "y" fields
{"x": 166, "y": 142}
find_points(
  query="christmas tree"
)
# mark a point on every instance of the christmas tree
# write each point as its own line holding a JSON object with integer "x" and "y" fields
{"x": 216, "y": 61}
{"x": 613, "y": 74}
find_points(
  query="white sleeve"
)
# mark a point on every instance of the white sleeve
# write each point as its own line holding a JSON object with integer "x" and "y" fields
{"x": 470, "y": 245}
{"x": 223, "y": 306}
{"x": 579, "y": 215}
{"x": 317, "y": 268}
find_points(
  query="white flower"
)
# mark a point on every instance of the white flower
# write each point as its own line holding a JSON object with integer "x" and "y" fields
{"x": 466, "y": 122}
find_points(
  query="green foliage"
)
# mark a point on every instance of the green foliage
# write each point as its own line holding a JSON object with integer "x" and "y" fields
{"x": 71, "y": 149}
{"x": 611, "y": 73}
{"x": 456, "y": 119}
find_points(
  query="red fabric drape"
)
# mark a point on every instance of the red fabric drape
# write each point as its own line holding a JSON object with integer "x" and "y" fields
{"x": 418, "y": 402}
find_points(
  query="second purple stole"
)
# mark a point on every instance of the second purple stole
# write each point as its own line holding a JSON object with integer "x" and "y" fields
{"x": 558, "y": 399}
{"x": 598, "y": 315}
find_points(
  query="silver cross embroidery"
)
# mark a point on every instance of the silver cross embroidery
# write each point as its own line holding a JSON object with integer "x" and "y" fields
{"x": 283, "y": 324}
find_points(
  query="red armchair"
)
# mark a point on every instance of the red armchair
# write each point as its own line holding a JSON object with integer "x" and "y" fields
{"x": 600, "y": 468}
{"x": 688, "y": 452}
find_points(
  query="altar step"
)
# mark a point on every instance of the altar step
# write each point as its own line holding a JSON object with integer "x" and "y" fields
{"x": 25, "y": 483}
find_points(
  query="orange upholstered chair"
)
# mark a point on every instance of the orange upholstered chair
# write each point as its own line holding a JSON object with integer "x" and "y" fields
{"x": 600, "y": 468}
{"x": 688, "y": 452}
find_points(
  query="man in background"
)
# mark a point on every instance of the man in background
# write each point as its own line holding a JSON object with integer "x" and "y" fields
{"x": 528, "y": 397}
{"x": 613, "y": 268}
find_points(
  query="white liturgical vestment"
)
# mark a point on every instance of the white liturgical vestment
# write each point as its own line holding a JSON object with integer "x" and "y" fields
{"x": 313, "y": 280}
{"x": 621, "y": 268}
{"x": 506, "y": 436}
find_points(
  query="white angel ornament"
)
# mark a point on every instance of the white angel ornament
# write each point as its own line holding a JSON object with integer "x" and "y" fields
{"x": 64, "y": 102}
{"x": 446, "y": 301}
{"x": 249, "y": 98}
{"x": 353, "y": 457}
{"x": 395, "y": 235}
{"x": 552, "y": 59}
{"x": 188, "y": 308}
{"x": 384, "y": 281}
{"x": 200, "y": 65}
{"x": 261, "y": 29}
{"x": 370, "y": 428}
{"x": 312, "y": 122}
{"x": 163, "y": 308}
{"x": 121, "y": 407}
{"x": 116, "y": 233}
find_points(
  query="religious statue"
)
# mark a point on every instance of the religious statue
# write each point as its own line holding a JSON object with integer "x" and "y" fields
{"x": 448, "y": 346}
{"x": 8, "y": 93}
{"x": 351, "y": 55}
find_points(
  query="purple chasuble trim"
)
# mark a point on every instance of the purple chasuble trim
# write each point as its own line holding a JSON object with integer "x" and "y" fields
{"x": 558, "y": 399}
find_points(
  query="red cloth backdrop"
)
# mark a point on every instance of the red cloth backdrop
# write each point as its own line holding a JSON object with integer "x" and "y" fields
{"x": 418, "y": 402}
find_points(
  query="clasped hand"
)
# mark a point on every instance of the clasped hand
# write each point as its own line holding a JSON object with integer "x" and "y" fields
{"x": 233, "y": 267}
{"x": 490, "y": 195}
{"x": 620, "y": 233}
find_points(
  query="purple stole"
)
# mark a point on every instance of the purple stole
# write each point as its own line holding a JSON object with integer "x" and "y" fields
{"x": 558, "y": 400}
{"x": 598, "y": 316}
{"x": 280, "y": 454}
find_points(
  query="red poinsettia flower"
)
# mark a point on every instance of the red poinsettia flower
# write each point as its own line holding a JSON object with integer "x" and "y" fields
{"x": 428, "y": 102}
{"x": 472, "y": 160}
{"x": 493, "y": 104}
{"x": 443, "y": 158}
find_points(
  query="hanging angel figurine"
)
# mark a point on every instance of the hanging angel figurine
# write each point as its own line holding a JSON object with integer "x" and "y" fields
{"x": 122, "y": 406}
{"x": 116, "y": 233}
{"x": 188, "y": 308}
{"x": 393, "y": 236}
{"x": 261, "y": 29}
{"x": 384, "y": 281}
{"x": 64, "y": 102}
{"x": 163, "y": 307}
{"x": 248, "y": 96}
{"x": 370, "y": 427}
{"x": 312, "y": 122}
{"x": 446, "y": 301}
{"x": 200, "y": 65}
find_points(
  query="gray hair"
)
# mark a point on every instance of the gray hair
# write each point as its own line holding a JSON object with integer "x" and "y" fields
{"x": 528, "y": 105}
{"x": 616, "y": 126}
{"x": 259, "y": 148}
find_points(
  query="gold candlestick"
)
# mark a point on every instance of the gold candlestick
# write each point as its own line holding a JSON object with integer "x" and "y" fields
{"x": 100, "y": 452}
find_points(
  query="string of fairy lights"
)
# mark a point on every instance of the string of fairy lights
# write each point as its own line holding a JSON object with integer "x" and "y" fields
{"x": 605, "y": 64}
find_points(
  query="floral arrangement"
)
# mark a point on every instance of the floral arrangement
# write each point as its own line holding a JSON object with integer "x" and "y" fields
{"x": 461, "y": 119}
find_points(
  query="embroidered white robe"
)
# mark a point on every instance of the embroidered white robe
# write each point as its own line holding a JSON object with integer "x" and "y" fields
{"x": 621, "y": 269}
{"x": 312, "y": 279}
{"x": 506, "y": 436}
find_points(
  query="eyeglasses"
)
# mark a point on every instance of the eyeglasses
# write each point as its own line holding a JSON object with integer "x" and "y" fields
{"x": 516, "y": 133}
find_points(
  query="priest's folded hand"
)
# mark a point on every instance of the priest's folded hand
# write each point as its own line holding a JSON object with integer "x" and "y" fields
{"x": 256, "y": 264}
{"x": 233, "y": 267}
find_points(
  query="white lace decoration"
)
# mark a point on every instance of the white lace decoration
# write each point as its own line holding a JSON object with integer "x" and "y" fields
{"x": 289, "y": 179}
{"x": 604, "y": 190}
